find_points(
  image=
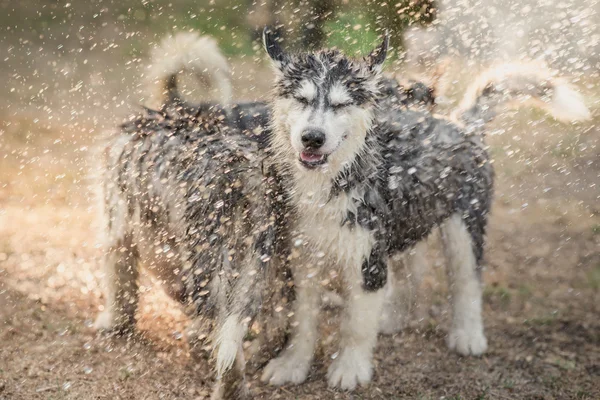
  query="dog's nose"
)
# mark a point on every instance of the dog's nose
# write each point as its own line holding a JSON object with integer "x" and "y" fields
{"x": 313, "y": 138}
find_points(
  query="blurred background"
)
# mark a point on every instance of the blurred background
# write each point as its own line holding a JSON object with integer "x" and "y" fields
{"x": 71, "y": 70}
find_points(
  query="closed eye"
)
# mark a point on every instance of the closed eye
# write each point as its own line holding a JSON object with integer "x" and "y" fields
{"x": 302, "y": 100}
{"x": 339, "y": 106}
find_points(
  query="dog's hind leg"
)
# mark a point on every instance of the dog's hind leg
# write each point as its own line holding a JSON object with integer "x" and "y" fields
{"x": 231, "y": 380}
{"x": 402, "y": 298}
{"x": 466, "y": 333}
{"x": 120, "y": 272}
{"x": 238, "y": 304}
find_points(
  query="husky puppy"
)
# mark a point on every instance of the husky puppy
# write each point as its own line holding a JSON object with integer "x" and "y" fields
{"x": 365, "y": 185}
{"x": 202, "y": 209}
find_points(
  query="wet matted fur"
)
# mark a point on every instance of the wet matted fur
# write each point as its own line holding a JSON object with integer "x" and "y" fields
{"x": 203, "y": 212}
{"x": 199, "y": 209}
{"x": 366, "y": 183}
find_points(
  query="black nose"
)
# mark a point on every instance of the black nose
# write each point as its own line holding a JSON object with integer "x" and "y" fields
{"x": 313, "y": 138}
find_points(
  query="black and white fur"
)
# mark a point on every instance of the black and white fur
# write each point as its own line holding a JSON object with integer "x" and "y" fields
{"x": 199, "y": 55}
{"x": 201, "y": 208}
{"x": 366, "y": 183}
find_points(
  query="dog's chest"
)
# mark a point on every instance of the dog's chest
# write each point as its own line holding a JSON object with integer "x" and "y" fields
{"x": 321, "y": 220}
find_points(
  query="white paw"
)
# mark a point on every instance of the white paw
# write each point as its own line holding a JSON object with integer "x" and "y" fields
{"x": 350, "y": 368}
{"x": 109, "y": 321}
{"x": 467, "y": 342}
{"x": 290, "y": 367}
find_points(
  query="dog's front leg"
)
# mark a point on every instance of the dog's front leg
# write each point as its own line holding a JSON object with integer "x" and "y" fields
{"x": 294, "y": 362}
{"x": 403, "y": 297}
{"x": 353, "y": 364}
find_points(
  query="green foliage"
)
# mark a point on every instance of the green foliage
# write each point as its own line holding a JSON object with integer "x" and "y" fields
{"x": 354, "y": 26}
{"x": 352, "y": 33}
{"x": 593, "y": 278}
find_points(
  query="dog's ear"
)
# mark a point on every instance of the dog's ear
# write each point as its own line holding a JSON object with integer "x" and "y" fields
{"x": 272, "y": 46}
{"x": 377, "y": 56}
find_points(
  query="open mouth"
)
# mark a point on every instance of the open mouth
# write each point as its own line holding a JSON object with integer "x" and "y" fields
{"x": 312, "y": 160}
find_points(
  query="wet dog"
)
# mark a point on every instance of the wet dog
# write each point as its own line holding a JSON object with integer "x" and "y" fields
{"x": 200, "y": 208}
{"x": 366, "y": 184}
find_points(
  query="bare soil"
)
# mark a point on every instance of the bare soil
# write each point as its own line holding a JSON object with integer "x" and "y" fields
{"x": 542, "y": 296}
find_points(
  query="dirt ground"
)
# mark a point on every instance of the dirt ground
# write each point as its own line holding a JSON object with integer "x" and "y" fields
{"x": 542, "y": 296}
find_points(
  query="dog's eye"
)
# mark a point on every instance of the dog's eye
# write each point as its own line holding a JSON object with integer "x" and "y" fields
{"x": 302, "y": 100}
{"x": 339, "y": 106}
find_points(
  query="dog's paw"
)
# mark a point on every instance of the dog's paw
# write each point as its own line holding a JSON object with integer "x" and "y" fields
{"x": 467, "y": 342}
{"x": 350, "y": 368}
{"x": 290, "y": 367}
{"x": 108, "y": 321}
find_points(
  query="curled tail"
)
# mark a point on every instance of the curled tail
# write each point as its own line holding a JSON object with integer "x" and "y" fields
{"x": 190, "y": 52}
{"x": 514, "y": 85}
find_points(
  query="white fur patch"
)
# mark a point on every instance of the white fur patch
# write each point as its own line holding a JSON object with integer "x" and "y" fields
{"x": 568, "y": 105}
{"x": 228, "y": 343}
{"x": 339, "y": 95}
{"x": 307, "y": 91}
{"x": 466, "y": 334}
{"x": 352, "y": 367}
{"x": 530, "y": 81}
{"x": 191, "y": 52}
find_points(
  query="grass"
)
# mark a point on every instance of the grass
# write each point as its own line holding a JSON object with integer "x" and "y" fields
{"x": 498, "y": 294}
{"x": 525, "y": 291}
{"x": 509, "y": 384}
{"x": 593, "y": 278}
{"x": 544, "y": 320}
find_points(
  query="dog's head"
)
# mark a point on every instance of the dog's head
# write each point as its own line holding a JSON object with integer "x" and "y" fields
{"x": 323, "y": 104}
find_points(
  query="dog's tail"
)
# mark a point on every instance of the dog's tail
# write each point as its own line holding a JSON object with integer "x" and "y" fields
{"x": 515, "y": 85}
{"x": 189, "y": 52}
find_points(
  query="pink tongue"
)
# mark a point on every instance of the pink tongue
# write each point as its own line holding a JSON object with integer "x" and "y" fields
{"x": 310, "y": 157}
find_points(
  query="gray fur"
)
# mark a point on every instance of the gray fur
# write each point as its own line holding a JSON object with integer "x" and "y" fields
{"x": 187, "y": 186}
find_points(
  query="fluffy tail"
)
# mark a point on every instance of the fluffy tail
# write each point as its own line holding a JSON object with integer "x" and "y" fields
{"x": 515, "y": 85}
{"x": 190, "y": 52}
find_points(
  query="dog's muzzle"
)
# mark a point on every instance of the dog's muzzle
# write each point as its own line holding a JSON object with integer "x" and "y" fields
{"x": 312, "y": 140}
